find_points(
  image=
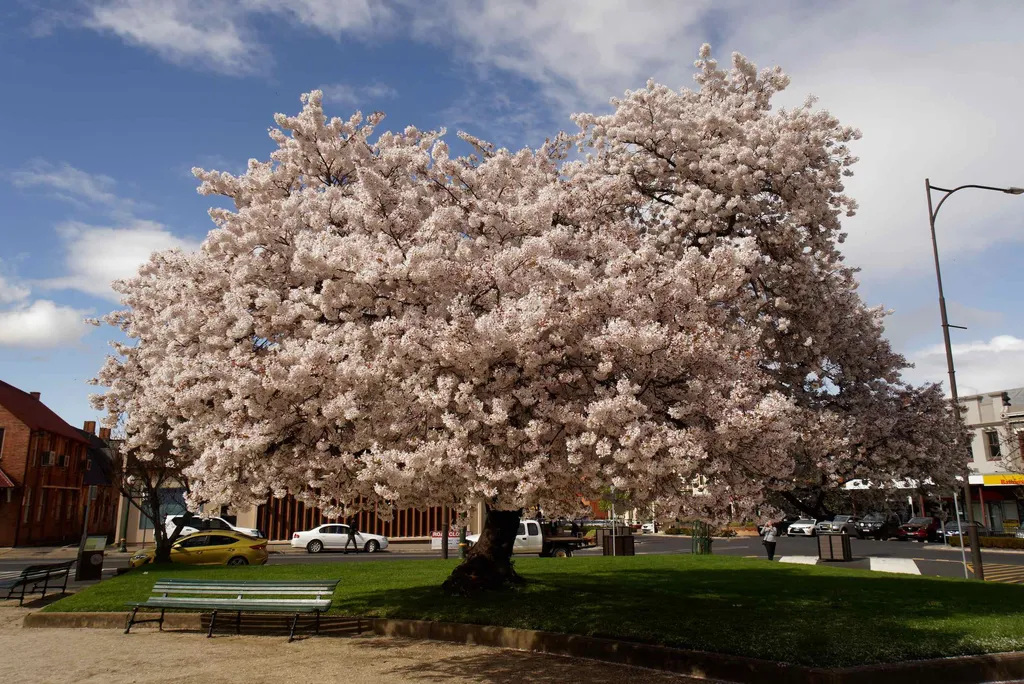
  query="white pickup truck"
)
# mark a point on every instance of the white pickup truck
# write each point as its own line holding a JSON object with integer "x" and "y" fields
{"x": 531, "y": 538}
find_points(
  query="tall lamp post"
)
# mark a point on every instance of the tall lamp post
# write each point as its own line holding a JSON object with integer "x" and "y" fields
{"x": 972, "y": 531}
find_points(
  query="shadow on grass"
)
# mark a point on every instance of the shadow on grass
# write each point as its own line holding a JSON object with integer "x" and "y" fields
{"x": 808, "y": 616}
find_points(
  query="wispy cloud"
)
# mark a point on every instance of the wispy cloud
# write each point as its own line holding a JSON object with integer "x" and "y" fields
{"x": 220, "y": 34}
{"x": 73, "y": 185}
{"x": 357, "y": 96}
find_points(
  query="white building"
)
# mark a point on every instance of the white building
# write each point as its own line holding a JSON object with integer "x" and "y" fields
{"x": 997, "y": 471}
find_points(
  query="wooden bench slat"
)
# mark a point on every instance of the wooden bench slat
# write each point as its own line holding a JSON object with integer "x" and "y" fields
{"x": 250, "y": 583}
{"x": 246, "y": 592}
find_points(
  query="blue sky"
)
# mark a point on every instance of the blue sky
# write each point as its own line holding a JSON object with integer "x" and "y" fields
{"x": 109, "y": 103}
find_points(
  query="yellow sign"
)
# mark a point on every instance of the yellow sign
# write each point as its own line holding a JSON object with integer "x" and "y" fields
{"x": 1014, "y": 479}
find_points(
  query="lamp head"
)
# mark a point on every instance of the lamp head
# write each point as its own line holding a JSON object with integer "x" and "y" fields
{"x": 1014, "y": 191}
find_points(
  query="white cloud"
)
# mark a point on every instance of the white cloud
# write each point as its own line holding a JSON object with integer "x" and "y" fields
{"x": 98, "y": 255}
{"x": 219, "y": 34}
{"x": 11, "y": 292}
{"x": 981, "y": 366}
{"x": 348, "y": 95}
{"x": 42, "y": 324}
{"x": 72, "y": 185}
{"x": 932, "y": 91}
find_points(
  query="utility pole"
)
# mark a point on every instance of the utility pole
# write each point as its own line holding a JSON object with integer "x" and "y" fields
{"x": 972, "y": 530}
{"x": 445, "y": 525}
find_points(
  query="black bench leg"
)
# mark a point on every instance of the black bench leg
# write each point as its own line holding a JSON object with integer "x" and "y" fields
{"x": 131, "y": 621}
{"x": 46, "y": 584}
{"x": 21, "y": 601}
{"x": 213, "y": 620}
{"x": 238, "y": 623}
{"x": 160, "y": 625}
{"x": 291, "y": 634}
{"x": 64, "y": 589}
{"x": 318, "y": 623}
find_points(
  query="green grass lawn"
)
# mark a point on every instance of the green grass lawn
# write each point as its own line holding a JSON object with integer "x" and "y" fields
{"x": 799, "y": 614}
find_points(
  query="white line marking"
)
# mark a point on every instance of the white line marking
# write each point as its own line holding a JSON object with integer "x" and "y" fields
{"x": 904, "y": 566}
{"x": 799, "y": 560}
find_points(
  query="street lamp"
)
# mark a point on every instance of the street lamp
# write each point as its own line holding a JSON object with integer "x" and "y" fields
{"x": 972, "y": 531}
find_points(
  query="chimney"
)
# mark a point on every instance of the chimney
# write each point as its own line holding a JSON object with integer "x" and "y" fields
{"x": 34, "y": 395}
{"x": 90, "y": 427}
{"x": 105, "y": 433}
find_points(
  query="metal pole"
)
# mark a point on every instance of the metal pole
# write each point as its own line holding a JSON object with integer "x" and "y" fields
{"x": 89, "y": 496}
{"x": 445, "y": 525}
{"x": 125, "y": 503}
{"x": 960, "y": 532}
{"x": 972, "y": 531}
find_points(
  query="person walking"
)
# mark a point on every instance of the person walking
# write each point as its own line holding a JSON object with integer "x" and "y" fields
{"x": 352, "y": 532}
{"x": 769, "y": 540}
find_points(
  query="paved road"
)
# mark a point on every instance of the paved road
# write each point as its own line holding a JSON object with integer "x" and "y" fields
{"x": 930, "y": 559}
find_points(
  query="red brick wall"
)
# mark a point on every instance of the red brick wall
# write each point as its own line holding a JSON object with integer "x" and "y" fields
{"x": 12, "y": 461}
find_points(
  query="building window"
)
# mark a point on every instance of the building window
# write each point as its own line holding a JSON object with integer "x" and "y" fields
{"x": 41, "y": 506}
{"x": 27, "y": 505}
{"x": 992, "y": 444}
{"x": 58, "y": 504}
{"x": 71, "y": 505}
{"x": 1, "y": 442}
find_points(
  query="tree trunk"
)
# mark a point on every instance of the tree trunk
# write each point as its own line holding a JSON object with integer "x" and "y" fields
{"x": 488, "y": 564}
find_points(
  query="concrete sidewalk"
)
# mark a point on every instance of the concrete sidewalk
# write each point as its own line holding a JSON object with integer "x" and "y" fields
{"x": 105, "y": 656}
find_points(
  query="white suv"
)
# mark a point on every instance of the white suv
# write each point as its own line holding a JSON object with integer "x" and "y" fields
{"x": 198, "y": 524}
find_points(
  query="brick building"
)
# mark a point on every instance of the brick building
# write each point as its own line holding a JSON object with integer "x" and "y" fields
{"x": 46, "y": 468}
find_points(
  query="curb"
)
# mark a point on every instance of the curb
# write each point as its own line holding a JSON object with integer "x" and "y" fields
{"x": 39, "y": 620}
{"x": 999, "y": 667}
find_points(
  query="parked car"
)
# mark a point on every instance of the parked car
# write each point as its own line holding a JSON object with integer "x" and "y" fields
{"x": 803, "y": 527}
{"x": 211, "y": 548}
{"x": 532, "y": 537}
{"x": 950, "y": 531}
{"x": 781, "y": 526}
{"x": 878, "y": 526}
{"x": 846, "y": 524}
{"x": 334, "y": 536}
{"x": 823, "y": 526}
{"x": 920, "y": 529}
{"x": 195, "y": 524}
{"x": 648, "y": 528}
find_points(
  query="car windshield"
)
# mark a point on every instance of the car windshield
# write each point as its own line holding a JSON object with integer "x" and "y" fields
{"x": 804, "y": 521}
{"x": 952, "y": 524}
{"x": 873, "y": 517}
{"x": 919, "y": 521}
{"x": 842, "y": 518}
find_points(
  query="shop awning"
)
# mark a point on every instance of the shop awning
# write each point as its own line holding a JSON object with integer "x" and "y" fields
{"x": 5, "y": 482}
{"x": 998, "y": 480}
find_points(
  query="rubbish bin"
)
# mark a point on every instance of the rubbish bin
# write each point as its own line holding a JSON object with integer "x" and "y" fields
{"x": 834, "y": 546}
{"x": 90, "y": 560}
{"x": 623, "y": 545}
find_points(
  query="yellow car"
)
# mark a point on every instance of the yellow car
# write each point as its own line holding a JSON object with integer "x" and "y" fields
{"x": 215, "y": 547}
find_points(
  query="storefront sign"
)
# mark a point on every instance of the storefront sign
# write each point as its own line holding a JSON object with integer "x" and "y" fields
{"x": 453, "y": 540}
{"x": 1003, "y": 479}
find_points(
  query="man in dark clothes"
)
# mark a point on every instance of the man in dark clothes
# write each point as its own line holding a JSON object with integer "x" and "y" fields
{"x": 352, "y": 532}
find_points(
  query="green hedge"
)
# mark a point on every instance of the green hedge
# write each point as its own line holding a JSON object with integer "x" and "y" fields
{"x": 993, "y": 542}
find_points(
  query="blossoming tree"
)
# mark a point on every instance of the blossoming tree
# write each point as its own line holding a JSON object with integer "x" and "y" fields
{"x": 377, "y": 321}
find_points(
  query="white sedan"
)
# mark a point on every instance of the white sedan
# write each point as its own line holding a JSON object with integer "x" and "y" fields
{"x": 334, "y": 536}
{"x": 804, "y": 527}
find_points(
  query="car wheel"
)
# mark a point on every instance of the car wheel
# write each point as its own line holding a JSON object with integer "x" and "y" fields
{"x": 372, "y": 546}
{"x": 238, "y": 560}
{"x": 315, "y": 546}
{"x": 561, "y": 552}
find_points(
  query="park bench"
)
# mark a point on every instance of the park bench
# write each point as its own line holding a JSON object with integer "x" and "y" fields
{"x": 31, "y": 578}
{"x": 247, "y": 596}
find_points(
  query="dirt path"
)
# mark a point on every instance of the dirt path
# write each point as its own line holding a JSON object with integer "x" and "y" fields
{"x": 95, "y": 656}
